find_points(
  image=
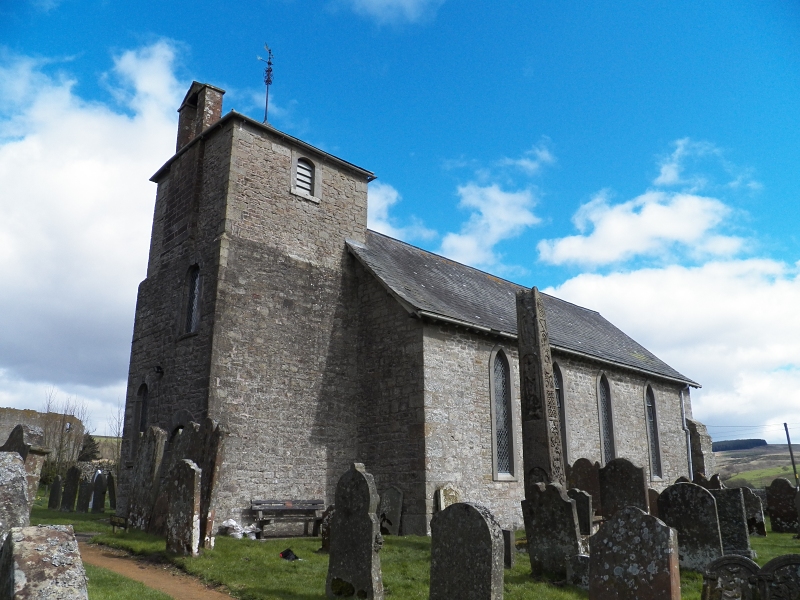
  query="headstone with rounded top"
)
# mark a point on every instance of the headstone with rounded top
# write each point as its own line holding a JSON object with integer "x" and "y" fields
{"x": 755, "y": 513}
{"x": 781, "y": 505}
{"x": 732, "y": 521}
{"x": 779, "y": 579}
{"x": 692, "y": 511}
{"x": 54, "y": 501}
{"x": 390, "y": 510}
{"x": 551, "y": 528}
{"x": 622, "y": 484}
{"x": 730, "y": 578}
{"x": 85, "y": 493}
{"x": 99, "y": 494}
{"x": 585, "y": 475}
{"x": 466, "y": 554}
{"x": 71, "y": 484}
{"x": 354, "y": 567}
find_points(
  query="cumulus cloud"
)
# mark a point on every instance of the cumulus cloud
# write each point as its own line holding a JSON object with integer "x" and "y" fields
{"x": 650, "y": 224}
{"x": 731, "y": 325}
{"x": 381, "y": 197}
{"x": 697, "y": 165}
{"x": 75, "y": 217}
{"x": 496, "y": 215}
{"x": 532, "y": 161}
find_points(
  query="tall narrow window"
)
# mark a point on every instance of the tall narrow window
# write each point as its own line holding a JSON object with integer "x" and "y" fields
{"x": 501, "y": 402}
{"x": 305, "y": 176}
{"x": 143, "y": 407}
{"x": 562, "y": 409}
{"x": 193, "y": 306}
{"x": 606, "y": 421}
{"x": 652, "y": 432}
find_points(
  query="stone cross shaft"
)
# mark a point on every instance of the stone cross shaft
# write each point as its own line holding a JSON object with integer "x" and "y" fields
{"x": 541, "y": 423}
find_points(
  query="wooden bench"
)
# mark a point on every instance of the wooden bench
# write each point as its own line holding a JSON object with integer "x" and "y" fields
{"x": 308, "y": 512}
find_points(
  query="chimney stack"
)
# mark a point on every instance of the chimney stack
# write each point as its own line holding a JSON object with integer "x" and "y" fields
{"x": 201, "y": 108}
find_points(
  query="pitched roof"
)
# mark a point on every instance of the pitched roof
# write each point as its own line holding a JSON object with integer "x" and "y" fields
{"x": 436, "y": 287}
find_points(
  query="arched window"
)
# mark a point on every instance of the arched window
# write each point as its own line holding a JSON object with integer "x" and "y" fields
{"x": 652, "y": 432}
{"x": 562, "y": 409}
{"x": 304, "y": 177}
{"x": 606, "y": 420}
{"x": 501, "y": 415}
{"x": 193, "y": 305}
{"x": 143, "y": 407}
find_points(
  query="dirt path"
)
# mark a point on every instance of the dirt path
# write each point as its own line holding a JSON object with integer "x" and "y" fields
{"x": 167, "y": 580}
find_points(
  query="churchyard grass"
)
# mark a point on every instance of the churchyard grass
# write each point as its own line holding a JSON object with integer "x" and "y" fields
{"x": 107, "y": 585}
{"x": 81, "y": 522}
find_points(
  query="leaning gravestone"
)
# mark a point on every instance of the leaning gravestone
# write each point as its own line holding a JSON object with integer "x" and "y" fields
{"x": 692, "y": 511}
{"x": 71, "y": 484}
{"x": 779, "y": 579}
{"x": 183, "y": 513}
{"x": 552, "y": 530}
{"x": 634, "y": 556}
{"x": 755, "y": 513}
{"x": 13, "y": 493}
{"x": 390, "y": 510}
{"x": 144, "y": 480}
{"x": 354, "y": 567}
{"x": 42, "y": 562}
{"x": 622, "y": 484}
{"x": 85, "y": 493}
{"x": 652, "y": 500}
{"x": 54, "y": 501}
{"x": 732, "y": 521}
{"x": 27, "y": 441}
{"x": 730, "y": 578}
{"x": 583, "y": 506}
{"x": 466, "y": 554}
{"x": 585, "y": 475}
{"x": 99, "y": 494}
{"x": 782, "y": 509}
{"x": 509, "y": 548}
{"x": 112, "y": 491}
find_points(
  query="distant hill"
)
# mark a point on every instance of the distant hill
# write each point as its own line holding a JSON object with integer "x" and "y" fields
{"x": 737, "y": 445}
{"x": 756, "y": 467}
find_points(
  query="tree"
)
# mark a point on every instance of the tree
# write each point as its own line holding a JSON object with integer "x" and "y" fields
{"x": 64, "y": 424}
{"x": 90, "y": 449}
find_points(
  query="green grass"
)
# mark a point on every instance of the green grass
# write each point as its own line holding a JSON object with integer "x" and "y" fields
{"x": 760, "y": 477}
{"x": 774, "y": 545}
{"x": 81, "y": 522}
{"x": 107, "y": 585}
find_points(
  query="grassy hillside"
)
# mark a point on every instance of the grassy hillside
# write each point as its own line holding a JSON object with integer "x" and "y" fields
{"x": 758, "y": 466}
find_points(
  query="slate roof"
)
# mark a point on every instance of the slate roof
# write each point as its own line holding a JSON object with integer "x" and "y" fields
{"x": 436, "y": 287}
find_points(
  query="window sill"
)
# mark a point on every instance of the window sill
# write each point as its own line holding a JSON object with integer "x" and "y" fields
{"x": 305, "y": 195}
{"x": 505, "y": 477}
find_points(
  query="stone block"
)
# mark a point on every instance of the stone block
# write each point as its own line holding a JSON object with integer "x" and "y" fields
{"x": 634, "y": 556}
{"x": 54, "y": 500}
{"x": 552, "y": 530}
{"x": 781, "y": 505}
{"x": 583, "y": 506}
{"x": 731, "y": 578}
{"x": 692, "y": 511}
{"x": 466, "y": 554}
{"x": 13, "y": 493}
{"x": 622, "y": 484}
{"x": 183, "y": 511}
{"x": 390, "y": 510}
{"x": 71, "y": 484}
{"x": 732, "y": 521}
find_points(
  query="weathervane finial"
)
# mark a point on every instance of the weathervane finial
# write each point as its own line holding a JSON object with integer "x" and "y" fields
{"x": 267, "y": 77}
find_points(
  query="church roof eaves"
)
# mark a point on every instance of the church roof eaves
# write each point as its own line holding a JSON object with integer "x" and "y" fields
{"x": 434, "y": 287}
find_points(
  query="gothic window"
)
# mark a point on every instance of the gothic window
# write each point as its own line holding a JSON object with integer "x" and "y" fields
{"x": 562, "y": 409}
{"x": 652, "y": 432}
{"x": 501, "y": 416}
{"x": 606, "y": 420}
{"x": 143, "y": 407}
{"x": 193, "y": 305}
{"x": 304, "y": 176}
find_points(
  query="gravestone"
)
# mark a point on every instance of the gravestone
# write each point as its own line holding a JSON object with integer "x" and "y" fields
{"x": 732, "y": 522}
{"x": 354, "y": 567}
{"x": 782, "y": 509}
{"x": 27, "y": 441}
{"x": 779, "y": 579}
{"x": 542, "y": 455}
{"x": 112, "y": 491}
{"x": 583, "y": 506}
{"x": 551, "y": 528}
{"x": 585, "y": 475}
{"x": 183, "y": 511}
{"x": 710, "y": 484}
{"x": 85, "y": 493}
{"x": 730, "y": 578}
{"x": 325, "y": 528}
{"x": 54, "y": 501}
{"x": 509, "y": 549}
{"x": 692, "y": 511}
{"x": 715, "y": 483}
{"x": 390, "y": 510}
{"x": 71, "y": 484}
{"x": 99, "y": 494}
{"x": 634, "y": 556}
{"x": 446, "y": 495}
{"x": 622, "y": 484}
{"x": 578, "y": 571}
{"x": 755, "y": 513}
{"x": 144, "y": 480}
{"x": 42, "y": 562}
{"x": 13, "y": 493}
{"x": 652, "y": 500}
{"x": 466, "y": 554}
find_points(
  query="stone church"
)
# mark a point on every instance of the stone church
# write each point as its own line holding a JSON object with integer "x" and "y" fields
{"x": 270, "y": 307}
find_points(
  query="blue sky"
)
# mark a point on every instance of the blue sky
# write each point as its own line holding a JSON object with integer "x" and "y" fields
{"x": 639, "y": 159}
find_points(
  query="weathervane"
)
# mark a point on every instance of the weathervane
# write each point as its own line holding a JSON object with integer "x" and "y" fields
{"x": 267, "y": 77}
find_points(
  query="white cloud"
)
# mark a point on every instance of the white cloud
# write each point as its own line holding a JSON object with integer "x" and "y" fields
{"x": 496, "y": 215}
{"x": 532, "y": 161}
{"x": 651, "y": 224}
{"x": 732, "y": 325}
{"x": 396, "y": 11}
{"x": 382, "y": 197}
{"x": 75, "y": 217}
{"x": 709, "y": 165}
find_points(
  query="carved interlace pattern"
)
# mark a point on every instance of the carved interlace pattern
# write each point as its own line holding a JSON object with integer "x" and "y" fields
{"x": 549, "y": 392}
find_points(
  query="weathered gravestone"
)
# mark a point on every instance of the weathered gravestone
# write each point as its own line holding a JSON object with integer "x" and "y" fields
{"x": 446, "y": 495}
{"x": 85, "y": 493}
{"x": 99, "y": 493}
{"x": 466, "y": 554}
{"x": 578, "y": 571}
{"x": 755, "y": 513}
{"x": 111, "y": 483}
{"x": 730, "y": 578}
{"x": 782, "y": 509}
{"x": 652, "y": 500}
{"x": 585, "y": 475}
{"x": 634, "y": 556}
{"x": 710, "y": 484}
{"x": 683, "y": 479}
{"x": 54, "y": 501}
{"x": 144, "y": 480}
{"x": 622, "y": 484}
{"x": 325, "y": 529}
{"x": 732, "y": 522}
{"x": 42, "y": 563}
{"x": 779, "y": 579}
{"x": 509, "y": 549}
{"x": 583, "y": 506}
{"x": 27, "y": 441}
{"x": 13, "y": 493}
{"x": 551, "y": 528}
{"x": 183, "y": 512}
{"x": 354, "y": 567}
{"x": 692, "y": 511}
{"x": 71, "y": 484}
{"x": 390, "y": 510}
